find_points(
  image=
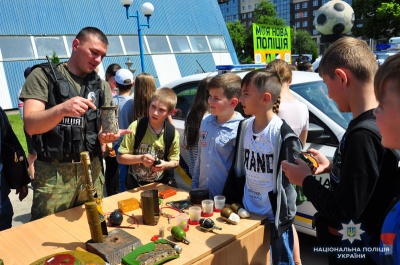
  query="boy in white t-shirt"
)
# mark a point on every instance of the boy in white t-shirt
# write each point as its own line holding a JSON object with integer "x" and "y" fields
{"x": 267, "y": 191}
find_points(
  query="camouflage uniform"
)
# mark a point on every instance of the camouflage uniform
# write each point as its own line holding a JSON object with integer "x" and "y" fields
{"x": 61, "y": 186}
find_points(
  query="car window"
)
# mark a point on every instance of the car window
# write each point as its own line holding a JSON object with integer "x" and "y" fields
{"x": 185, "y": 94}
{"x": 317, "y": 94}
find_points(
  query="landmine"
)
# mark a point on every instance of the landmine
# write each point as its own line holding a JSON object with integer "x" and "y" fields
{"x": 116, "y": 245}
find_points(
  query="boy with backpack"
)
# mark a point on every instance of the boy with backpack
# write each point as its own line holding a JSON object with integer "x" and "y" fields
{"x": 152, "y": 149}
{"x": 351, "y": 212}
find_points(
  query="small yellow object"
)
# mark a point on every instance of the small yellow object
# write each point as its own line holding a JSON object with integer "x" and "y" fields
{"x": 128, "y": 205}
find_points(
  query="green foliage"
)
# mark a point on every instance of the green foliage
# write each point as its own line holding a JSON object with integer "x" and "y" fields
{"x": 18, "y": 128}
{"x": 381, "y": 18}
{"x": 265, "y": 13}
{"x": 237, "y": 33}
{"x": 54, "y": 59}
{"x": 388, "y": 14}
{"x": 249, "y": 60}
{"x": 303, "y": 43}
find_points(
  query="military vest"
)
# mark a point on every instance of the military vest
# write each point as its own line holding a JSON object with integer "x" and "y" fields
{"x": 72, "y": 135}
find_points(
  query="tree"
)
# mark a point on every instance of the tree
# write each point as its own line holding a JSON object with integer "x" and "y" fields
{"x": 381, "y": 18}
{"x": 237, "y": 33}
{"x": 388, "y": 14}
{"x": 265, "y": 14}
{"x": 54, "y": 59}
{"x": 303, "y": 43}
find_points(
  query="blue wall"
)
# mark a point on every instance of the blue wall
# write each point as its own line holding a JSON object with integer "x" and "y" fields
{"x": 67, "y": 17}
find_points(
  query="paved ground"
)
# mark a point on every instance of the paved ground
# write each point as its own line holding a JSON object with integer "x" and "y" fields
{"x": 22, "y": 210}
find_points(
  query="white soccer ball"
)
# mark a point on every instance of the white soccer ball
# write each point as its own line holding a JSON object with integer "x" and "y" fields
{"x": 334, "y": 17}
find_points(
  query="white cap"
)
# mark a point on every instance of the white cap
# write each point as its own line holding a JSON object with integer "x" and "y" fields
{"x": 124, "y": 77}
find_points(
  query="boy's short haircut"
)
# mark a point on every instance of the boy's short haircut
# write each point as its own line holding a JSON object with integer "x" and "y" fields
{"x": 123, "y": 88}
{"x": 352, "y": 54}
{"x": 230, "y": 83}
{"x": 167, "y": 96}
{"x": 389, "y": 70}
{"x": 264, "y": 80}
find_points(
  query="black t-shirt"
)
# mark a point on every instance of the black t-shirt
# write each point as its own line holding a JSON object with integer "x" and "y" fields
{"x": 356, "y": 194}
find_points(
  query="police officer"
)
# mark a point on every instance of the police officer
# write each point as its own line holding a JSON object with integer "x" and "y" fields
{"x": 62, "y": 114}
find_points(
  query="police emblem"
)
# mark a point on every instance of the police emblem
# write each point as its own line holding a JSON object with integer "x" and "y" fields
{"x": 92, "y": 96}
{"x": 351, "y": 231}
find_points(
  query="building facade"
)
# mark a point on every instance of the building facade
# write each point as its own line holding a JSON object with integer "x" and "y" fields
{"x": 183, "y": 38}
{"x": 298, "y": 14}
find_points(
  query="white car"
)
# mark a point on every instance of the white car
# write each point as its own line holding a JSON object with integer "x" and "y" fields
{"x": 327, "y": 126}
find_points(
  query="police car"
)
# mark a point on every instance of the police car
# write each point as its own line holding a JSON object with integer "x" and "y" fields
{"x": 327, "y": 124}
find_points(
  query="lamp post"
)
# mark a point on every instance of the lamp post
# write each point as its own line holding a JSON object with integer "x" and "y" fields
{"x": 129, "y": 64}
{"x": 147, "y": 10}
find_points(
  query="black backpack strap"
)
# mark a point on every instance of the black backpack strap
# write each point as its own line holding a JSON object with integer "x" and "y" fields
{"x": 169, "y": 135}
{"x": 140, "y": 131}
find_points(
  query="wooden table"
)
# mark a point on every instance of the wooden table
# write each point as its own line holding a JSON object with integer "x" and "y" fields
{"x": 244, "y": 243}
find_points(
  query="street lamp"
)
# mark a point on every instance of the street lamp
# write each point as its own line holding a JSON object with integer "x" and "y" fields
{"x": 129, "y": 64}
{"x": 147, "y": 10}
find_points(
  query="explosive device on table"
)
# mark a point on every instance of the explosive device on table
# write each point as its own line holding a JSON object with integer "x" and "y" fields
{"x": 94, "y": 210}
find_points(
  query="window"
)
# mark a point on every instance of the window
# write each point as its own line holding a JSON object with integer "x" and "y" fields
{"x": 70, "y": 39}
{"x": 304, "y": 5}
{"x": 243, "y": 8}
{"x": 314, "y": 13}
{"x": 297, "y": 24}
{"x": 179, "y": 44}
{"x": 315, "y": 32}
{"x": 305, "y": 23}
{"x": 249, "y": 7}
{"x": 158, "y": 44}
{"x": 217, "y": 43}
{"x": 199, "y": 44}
{"x": 297, "y": 15}
{"x": 48, "y": 45}
{"x": 131, "y": 44}
{"x": 305, "y": 14}
{"x": 255, "y": 5}
{"x": 296, "y": 6}
{"x": 315, "y": 3}
{"x": 114, "y": 46}
{"x": 243, "y": 16}
{"x": 16, "y": 48}
{"x": 250, "y": 15}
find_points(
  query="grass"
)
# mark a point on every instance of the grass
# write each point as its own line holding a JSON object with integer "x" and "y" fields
{"x": 18, "y": 127}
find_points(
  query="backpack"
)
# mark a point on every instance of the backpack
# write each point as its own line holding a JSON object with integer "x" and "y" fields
{"x": 15, "y": 164}
{"x": 169, "y": 135}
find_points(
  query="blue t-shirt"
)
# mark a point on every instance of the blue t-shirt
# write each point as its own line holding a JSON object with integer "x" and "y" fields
{"x": 390, "y": 242}
{"x": 215, "y": 153}
{"x": 125, "y": 108}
